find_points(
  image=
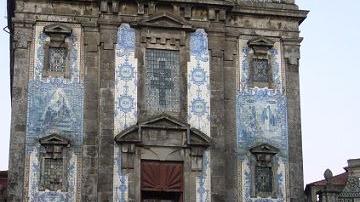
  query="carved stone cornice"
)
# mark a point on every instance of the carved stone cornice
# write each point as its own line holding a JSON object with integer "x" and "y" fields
{"x": 299, "y": 15}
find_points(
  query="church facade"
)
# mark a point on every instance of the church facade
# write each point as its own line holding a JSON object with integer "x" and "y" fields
{"x": 155, "y": 101}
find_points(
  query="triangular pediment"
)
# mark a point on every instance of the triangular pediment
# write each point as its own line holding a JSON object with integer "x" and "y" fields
{"x": 133, "y": 134}
{"x": 57, "y": 29}
{"x": 264, "y": 149}
{"x": 198, "y": 138}
{"x": 261, "y": 41}
{"x": 129, "y": 135}
{"x": 164, "y": 121}
{"x": 54, "y": 139}
{"x": 166, "y": 20}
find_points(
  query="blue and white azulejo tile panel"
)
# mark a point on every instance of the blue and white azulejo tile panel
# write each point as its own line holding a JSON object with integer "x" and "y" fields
{"x": 261, "y": 117}
{"x": 125, "y": 95}
{"x": 55, "y": 105}
{"x": 247, "y": 182}
{"x": 277, "y": 72}
{"x": 199, "y": 82}
{"x": 125, "y": 79}
{"x": 199, "y": 103}
{"x": 74, "y": 44}
{"x": 34, "y": 195}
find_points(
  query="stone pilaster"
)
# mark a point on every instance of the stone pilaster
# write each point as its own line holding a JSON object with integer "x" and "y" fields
{"x": 106, "y": 112}
{"x": 230, "y": 65}
{"x": 217, "y": 151}
{"x": 21, "y": 43}
{"x": 91, "y": 120}
{"x": 296, "y": 181}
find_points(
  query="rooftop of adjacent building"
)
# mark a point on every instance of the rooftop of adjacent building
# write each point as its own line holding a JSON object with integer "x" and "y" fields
{"x": 340, "y": 180}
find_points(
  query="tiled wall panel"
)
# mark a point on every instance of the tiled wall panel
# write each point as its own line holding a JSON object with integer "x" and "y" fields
{"x": 199, "y": 103}
{"x": 125, "y": 100}
{"x": 262, "y": 118}
{"x": 55, "y": 105}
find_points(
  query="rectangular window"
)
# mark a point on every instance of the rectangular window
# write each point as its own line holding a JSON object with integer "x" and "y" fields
{"x": 162, "y": 91}
{"x": 260, "y": 70}
{"x": 263, "y": 179}
{"x": 57, "y": 59}
{"x": 52, "y": 174}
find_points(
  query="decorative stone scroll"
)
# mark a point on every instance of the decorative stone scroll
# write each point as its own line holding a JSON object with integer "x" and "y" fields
{"x": 199, "y": 103}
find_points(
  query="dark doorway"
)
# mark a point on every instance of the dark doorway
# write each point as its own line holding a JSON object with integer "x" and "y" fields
{"x": 161, "y": 196}
{"x": 161, "y": 181}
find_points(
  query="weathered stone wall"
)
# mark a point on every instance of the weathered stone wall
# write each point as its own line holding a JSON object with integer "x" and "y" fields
{"x": 211, "y": 96}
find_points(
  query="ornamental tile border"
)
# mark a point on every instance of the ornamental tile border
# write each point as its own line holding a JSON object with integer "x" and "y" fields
{"x": 199, "y": 103}
{"x": 125, "y": 101}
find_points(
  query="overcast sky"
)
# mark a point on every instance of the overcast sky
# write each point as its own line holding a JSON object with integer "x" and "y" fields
{"x": 330, "y": 78}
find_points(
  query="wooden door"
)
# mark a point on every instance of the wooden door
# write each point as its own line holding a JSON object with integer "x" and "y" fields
{"x": 161, "y": 181}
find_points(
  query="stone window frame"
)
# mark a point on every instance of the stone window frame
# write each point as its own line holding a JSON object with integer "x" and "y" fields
{"x": 264, "y": 157}
{"x": 150, "y": 34}
{"x": 159, "y": 59}
{"x": 53, "y": 147}
{"x": 58, "y": 34}
{"x": 260, "y": 47}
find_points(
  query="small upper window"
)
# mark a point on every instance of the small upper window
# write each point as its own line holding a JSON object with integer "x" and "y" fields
{"x": 260, "y": 67}
{"x": 261, "y": 70}
{"x": 56, "y": 60}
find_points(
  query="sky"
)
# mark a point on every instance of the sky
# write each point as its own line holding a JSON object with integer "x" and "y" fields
{"x": 329, "y": 76}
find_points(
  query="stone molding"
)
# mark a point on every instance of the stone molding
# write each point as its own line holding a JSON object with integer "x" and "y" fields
{"x": 134, "y": 136}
